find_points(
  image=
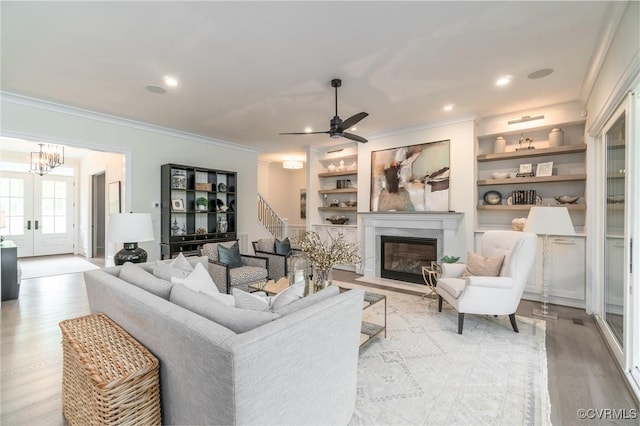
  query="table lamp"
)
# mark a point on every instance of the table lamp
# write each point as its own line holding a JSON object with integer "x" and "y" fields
{"x": 547, "y": 221}
{"x": 130, "y": 229}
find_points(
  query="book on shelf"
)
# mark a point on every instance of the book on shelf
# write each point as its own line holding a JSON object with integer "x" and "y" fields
{"x": 523, "y": 197}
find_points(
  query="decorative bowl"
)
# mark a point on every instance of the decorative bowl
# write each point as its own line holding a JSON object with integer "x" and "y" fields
{"x": 566, "y": 199}
{"x": 351, "y": 203}
{"x": 500, "y": 175}
{"x": 492, "y": 197}
{"x": 338, "y": 220}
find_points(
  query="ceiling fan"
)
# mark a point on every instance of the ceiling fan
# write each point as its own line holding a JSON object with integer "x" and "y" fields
{"x": 338, "y": 126}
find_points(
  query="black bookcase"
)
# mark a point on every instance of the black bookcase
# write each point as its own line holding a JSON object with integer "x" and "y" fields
{"x": 186, "y": 226}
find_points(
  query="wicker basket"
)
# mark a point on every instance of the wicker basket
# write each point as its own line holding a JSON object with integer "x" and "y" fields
{"x": 108, "y": 377}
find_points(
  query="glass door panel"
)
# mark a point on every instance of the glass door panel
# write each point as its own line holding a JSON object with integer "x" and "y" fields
{"x": 614, "y": 254}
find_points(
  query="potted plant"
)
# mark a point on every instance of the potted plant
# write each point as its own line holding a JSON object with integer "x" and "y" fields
{"x": 449, "y": 259}
{"x": 202, "y": 203}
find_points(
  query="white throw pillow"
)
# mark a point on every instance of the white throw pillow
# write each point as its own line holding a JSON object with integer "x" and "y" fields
{"x": 291, "y": 294}
{"x": 182, "y": 263}
{"x": 200, "y": 280}
{"x": 255, "y": 301}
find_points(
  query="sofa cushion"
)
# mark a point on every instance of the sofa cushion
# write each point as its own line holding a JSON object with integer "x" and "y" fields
{"x": 305, "y": 302}
{"x": 230, "y": 256}
{"x": 256, "y": 302}
{"x": 235, "y": 319}
{"x": 282, "y": 247}
{"x": 265, "y": 244}
{"x": 137, "y": 276}
{"x": 199, "y": 280}
{"x": 481, "y": 266}
{"x": 289, "y": 295}
{"x": 453, "y": 286}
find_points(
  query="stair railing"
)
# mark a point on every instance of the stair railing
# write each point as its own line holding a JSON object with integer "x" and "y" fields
{"x": 268, "y": 217}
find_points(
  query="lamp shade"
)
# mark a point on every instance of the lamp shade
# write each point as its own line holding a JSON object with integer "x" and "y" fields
{"x": 549, "y": 221}
{"x": 130, "y": 227}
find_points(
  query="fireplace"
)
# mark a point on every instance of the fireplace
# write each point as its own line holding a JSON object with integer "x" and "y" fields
{"x": 402, "y": 258}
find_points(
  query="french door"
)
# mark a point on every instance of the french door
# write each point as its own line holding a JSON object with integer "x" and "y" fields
{"x": 38, "y": 212}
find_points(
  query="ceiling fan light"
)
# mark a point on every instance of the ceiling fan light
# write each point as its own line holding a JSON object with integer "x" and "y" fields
{"x": 292, "y": 164}
{"x": 335, "y": 135}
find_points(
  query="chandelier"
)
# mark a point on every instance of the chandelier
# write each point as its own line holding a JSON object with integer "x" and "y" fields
{"x": 49, "y": 157}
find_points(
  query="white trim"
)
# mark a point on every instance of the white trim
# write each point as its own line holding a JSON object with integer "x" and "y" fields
{"x": 119, "y": 121}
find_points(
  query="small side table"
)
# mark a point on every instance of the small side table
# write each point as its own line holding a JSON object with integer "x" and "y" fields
{"x": 430, "y": 275}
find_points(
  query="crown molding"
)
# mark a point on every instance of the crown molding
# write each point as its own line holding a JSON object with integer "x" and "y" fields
{"x": 117, "y": 121}
{"x": 448, "y": 122}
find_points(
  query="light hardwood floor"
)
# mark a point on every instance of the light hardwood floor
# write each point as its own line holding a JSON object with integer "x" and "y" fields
{"x": 582, "y": 373}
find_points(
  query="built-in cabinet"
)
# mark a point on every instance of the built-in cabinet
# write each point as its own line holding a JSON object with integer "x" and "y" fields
{"x": 506, "y": 148}
{"x": 198, "y": 206}
{"x": 338, "y": 188}
{"x": 350, "y": 233}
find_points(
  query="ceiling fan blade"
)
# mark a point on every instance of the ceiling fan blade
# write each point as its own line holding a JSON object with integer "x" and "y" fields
{"x": 352, "y": 121}
{"x": 302, "y": 133}
{"x": 354, "y": 137}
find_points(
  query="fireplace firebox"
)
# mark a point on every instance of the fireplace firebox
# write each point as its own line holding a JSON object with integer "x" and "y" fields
{"x": 402, "y": 258}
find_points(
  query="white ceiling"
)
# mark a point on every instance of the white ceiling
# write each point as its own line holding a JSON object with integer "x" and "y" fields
{"x": 249, "y": 70}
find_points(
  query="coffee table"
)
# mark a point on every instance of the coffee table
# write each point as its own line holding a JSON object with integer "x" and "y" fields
{"x": 368, "y": 330}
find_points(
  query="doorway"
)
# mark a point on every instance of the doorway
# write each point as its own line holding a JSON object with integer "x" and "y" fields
{"x": 38, "y": 212}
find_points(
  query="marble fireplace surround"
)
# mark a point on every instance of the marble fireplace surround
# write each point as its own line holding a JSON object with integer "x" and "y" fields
{"x": 442, "y": 226}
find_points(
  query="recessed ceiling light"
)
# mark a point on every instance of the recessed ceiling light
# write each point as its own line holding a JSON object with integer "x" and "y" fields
{"x": 448, "y": 107}
{"x": 308, "y": 130}
{"x": 504, "y": 80}
{"x": 540, "y": 73}
{"x": 156, "y": 89}
{"x": 170, "y": 81}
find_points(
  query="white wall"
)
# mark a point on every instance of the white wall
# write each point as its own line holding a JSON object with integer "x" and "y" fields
{"x": 146, "y": 148}
{"x": 462, "y": 170}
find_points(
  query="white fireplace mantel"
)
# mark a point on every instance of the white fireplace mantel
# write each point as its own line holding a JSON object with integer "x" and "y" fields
{"x": 443, "y": 226}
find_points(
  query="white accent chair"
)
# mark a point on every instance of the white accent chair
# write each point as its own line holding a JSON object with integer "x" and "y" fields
{"x": 490, "y": 295}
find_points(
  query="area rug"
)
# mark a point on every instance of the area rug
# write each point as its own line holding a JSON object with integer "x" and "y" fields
{"x": 424, "y": 373}
{"x": 34, "y": 267}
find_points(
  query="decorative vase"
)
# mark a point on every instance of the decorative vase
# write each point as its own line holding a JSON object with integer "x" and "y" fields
{"x": 321, "y": 279}
{"x": 222, "y": 225}
{"x": 556, "y": 137}
{"x": 341, "y": 167}
{"x": 499, "y": 145}
{"x": 331, "y": 168}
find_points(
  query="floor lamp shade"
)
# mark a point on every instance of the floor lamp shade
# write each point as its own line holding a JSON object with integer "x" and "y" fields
{"x": 547, "y": 221}
{"x": 130, "y": 229}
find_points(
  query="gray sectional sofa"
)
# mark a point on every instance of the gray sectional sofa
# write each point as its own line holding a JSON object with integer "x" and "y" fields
{"x": 297, "y": 367}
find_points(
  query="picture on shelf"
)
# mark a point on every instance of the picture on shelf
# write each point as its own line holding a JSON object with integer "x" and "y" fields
{"x": 411, "y": 178}
{"x": 544, "y": 169}
{"x": 178, "y": 179}
{"x": 526, "y": 168}
{"x": 177, "y": 205}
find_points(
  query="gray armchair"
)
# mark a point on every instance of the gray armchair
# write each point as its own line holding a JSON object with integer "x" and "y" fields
{"x": 253, "y": 269}
{"x": 278, "y": 262}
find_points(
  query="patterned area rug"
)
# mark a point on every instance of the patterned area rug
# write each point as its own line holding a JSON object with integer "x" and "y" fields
{"x": 424, "y": 373}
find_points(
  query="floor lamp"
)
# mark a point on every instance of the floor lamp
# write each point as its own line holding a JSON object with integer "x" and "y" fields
{"x": 547, "y": 221}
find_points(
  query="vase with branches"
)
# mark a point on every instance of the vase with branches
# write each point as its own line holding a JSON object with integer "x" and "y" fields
{"x": 324, "y": 255}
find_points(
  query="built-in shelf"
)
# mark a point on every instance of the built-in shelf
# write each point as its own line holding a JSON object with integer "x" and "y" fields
{"x": 538, "y": 152}
{"x": 336, "y": 174}
{"x": 338, "y": 191}
{"x": 529, "y": 180}
{"x": 507, "y": 207}
{"x": 337, "y": 209}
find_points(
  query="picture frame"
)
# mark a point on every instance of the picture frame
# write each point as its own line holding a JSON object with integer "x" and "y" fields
{"x": 526, "y": 168}
{"x": 544, "y": 169}
{"x": 115, "y": 206}
{"x": 177, "y": 205}
{"x": 411, "y": 178}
